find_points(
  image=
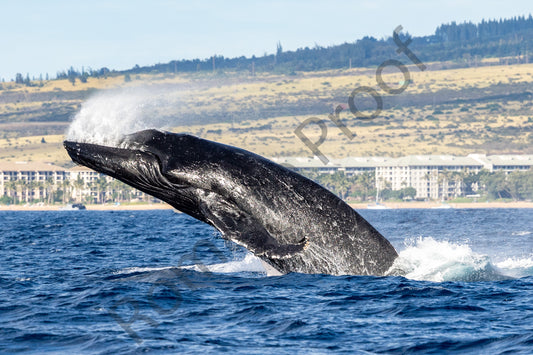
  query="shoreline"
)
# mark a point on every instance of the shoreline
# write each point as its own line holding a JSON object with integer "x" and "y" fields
{"x": 140, "y": 207}
{"x": 356, "y": 206}
{"x": 438, "y": 205}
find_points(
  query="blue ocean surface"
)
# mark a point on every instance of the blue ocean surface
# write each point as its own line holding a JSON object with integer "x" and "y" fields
{"x": 120, "y": 282}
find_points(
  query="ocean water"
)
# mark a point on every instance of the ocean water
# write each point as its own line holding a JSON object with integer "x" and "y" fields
{"x": 161, "y": 282}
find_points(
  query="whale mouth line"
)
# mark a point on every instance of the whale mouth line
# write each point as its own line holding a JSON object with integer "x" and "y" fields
{"x": 113, "y": 168}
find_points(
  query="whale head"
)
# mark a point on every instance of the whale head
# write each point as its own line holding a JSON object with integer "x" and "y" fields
{"x": 212, "y": 182}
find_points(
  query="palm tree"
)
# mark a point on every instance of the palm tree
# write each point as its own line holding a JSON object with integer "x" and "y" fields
{"x": 119, "y": 190}
{"x": 457, "y": 178}
{"x": 101, "y": 187}
{"x": 11, "y": 189}
{"x": 66, "y": 190}
{"x": 23, "y": 190}
{"x": 30, "y": 191}
{"x": 432, "y": 178}
{"x": 128, "y": 192}
{"x": 79, "y": 185}
{"x": 39, "y": 186}
{"x": 49, "y": 188}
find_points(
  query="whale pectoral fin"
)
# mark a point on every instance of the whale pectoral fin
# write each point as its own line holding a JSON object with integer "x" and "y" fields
{"x": 242, "y": 229}
{"x": 251, "y": 235}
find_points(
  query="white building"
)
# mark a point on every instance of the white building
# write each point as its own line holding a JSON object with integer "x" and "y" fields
{"x": 509, "y": 163}
{"x": 350, "y": 166}
{"x": 433, "y": 176}
{"x": 29, "y": 181}
{"x": 83, "y": 183}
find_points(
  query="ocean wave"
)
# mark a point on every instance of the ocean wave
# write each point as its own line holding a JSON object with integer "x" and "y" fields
{"x": 250, "y": 263}
{"x": 136, "y": 270}
{"x": 426, "y": 259}
{"x": 517, "y": 267}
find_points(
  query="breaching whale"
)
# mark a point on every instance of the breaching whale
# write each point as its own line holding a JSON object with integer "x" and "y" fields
{"x": 292, "y": 223}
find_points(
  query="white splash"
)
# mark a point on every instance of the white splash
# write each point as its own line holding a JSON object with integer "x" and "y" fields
{"x": 438, "y": 261}
{"x": 517, "y": 267}
{"x": 424, "y": 259}
{"x": 516, "y": 263}
{"x": 109, "y": 115}
{"x": 134, "y": 270}
{"x": 250, "y": 263}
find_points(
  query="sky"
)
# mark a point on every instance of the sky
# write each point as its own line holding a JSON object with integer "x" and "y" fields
{"x": 40, "y": 37}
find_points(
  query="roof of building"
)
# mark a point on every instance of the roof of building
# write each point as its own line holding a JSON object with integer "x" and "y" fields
{"x": 509, "y": 160}
{"x": 476, "y": 160}
{"x": 432, "y": 160}
{"x": 361, "y": 162}
{"x": 304, "y": 162}
{"x": 80, "y": 168}
{"x": 29, "y": 166}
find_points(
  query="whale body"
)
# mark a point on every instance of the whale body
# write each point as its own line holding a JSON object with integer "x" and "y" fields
{"x": 292, "y": 223}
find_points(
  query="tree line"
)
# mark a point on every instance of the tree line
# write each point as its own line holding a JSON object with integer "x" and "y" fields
{"x": 450, "y": 42}
{"x": 101, "y": 190}
{"x": 465, "y": 42}
{"x": 517, "y": 185}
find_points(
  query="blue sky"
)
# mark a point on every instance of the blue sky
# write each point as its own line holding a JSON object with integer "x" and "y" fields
{"x": 39, "y": 37}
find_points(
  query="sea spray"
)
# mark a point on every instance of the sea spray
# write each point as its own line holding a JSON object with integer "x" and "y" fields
{"x": 431, "y": 260}
{"x": 516, "y": 266}
{"x": 109, "y": 115}
{"x": 249, "y": 264}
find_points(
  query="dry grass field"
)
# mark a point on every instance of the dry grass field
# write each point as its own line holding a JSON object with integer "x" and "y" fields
{"x": 443, "y": 111}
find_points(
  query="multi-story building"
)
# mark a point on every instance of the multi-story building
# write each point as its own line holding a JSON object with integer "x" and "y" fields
{"x": 84, "y": 183}
{"x": 350, "y": 166}
{"x": 433, "y": 176}
{"x": 28, "y": 181}
{"x": 509, "y": 163}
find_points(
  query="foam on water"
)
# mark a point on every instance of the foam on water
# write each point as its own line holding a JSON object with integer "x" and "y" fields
{"x": 250, "y": 263}
{"x": 431, "y": 260}
{"x": 106, "y": 117}
{"x": 424, "y": 259}
{"x": 517, "y": 267}
{"x": 134, "y": 270}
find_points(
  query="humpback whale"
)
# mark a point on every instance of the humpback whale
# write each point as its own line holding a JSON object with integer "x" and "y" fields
{"x": 292, "y": 223}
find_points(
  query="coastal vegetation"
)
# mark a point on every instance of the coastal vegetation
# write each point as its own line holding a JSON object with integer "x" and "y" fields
{"x": 481, "y": 186}
{"x": 474, "y": 97}
{"x": 101, "y": 191}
